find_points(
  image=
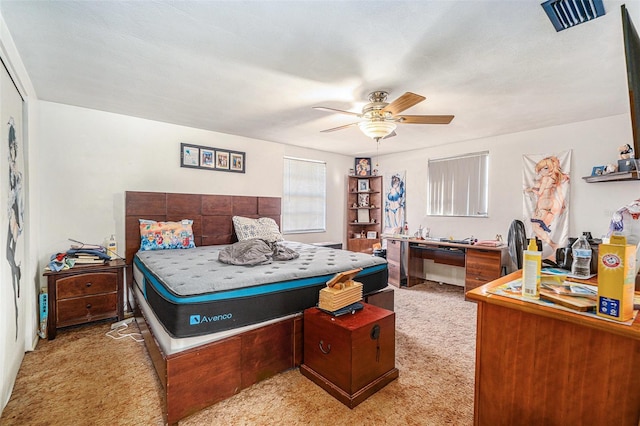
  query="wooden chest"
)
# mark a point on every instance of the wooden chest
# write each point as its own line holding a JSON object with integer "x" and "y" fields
{"x": 350, "y": 356}
{"x": 85, "y": 294}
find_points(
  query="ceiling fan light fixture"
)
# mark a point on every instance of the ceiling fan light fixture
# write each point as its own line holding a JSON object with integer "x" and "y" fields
{"x": 377, "y": 129}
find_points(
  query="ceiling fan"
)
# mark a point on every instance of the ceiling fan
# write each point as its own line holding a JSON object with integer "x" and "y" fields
{"x": 379, "y": 117}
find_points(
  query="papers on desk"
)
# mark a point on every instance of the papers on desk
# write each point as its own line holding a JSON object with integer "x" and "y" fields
{"x": 551, "y": 299}
{"x": 563, "y": 272}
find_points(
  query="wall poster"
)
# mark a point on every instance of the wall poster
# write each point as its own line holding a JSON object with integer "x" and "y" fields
{"x": 12, "y": 250}
{"x": 546, "y": 199}
{"x": 394, "y": 202}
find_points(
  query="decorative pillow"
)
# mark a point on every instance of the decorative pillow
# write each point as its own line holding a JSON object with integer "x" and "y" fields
{"x": 166, "y": 235}
{"x": 264, "y": 228}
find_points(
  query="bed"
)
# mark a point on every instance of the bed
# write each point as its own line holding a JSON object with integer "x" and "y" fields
{"x": 209, "y": 341}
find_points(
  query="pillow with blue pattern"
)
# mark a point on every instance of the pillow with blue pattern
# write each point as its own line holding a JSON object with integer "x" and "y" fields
{"x": 166, "y": 235}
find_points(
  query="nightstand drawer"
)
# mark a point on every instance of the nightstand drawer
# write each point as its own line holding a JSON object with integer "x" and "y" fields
{"x": 84, "y": 294}
{"x": 84, "y": 309}
{"x": 86, "y": 284}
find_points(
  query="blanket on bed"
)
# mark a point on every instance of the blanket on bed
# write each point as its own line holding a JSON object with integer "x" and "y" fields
{"x": 255, "y": 252}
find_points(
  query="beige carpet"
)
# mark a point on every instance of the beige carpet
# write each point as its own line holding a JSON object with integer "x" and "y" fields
{"x": 85, "y": 378}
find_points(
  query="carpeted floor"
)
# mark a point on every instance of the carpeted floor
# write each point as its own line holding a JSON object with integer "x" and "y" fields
{"x": 85, "y": 378}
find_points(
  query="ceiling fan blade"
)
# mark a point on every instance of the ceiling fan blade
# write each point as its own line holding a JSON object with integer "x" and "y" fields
{"x": 390, "y": 135}
{"x": 337, "y": 110}
{"x": 425, "y": 119}
{"x": 403, "y": 102}
{"x": 338, "y": 128}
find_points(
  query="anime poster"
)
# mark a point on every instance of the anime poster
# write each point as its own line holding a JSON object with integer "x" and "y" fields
{"x": 546, "y": 199}
{"x": 394, "y": 201}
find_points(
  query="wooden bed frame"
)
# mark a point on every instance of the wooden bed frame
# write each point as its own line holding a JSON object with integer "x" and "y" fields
{"x": 198, "y": 377}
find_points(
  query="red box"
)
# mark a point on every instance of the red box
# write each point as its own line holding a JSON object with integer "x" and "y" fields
{"x": 351, "y": 356}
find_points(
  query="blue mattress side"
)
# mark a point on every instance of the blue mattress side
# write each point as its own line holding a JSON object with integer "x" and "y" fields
{"x": 252, "y": 291}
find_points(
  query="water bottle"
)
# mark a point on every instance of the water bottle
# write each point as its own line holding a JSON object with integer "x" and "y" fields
{"x": 112, "y": 247}
{"x": 581, "y": 251}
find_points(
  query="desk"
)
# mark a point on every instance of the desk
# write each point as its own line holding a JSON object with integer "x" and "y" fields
{"x": 405, "y": 257}
{"x": 537, "y": 365}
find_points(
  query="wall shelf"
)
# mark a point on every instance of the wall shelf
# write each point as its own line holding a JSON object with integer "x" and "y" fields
{"x": 613, "y": 177}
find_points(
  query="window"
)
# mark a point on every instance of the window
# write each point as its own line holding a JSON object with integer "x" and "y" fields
{"x": 304, "y": 196}
{"x": 458, "y": 186}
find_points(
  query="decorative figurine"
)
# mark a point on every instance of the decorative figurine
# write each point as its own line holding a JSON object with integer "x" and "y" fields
{"x": 625, "y": 152}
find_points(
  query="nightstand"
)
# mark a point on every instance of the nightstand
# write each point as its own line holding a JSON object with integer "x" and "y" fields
{"x": 84, "y": 294}
{"x": 350, "y": 356}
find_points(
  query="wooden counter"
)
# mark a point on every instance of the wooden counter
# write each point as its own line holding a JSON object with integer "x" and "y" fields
{"x": 541, "y": 365}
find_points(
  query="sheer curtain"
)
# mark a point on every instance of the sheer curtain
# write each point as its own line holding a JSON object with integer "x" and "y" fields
{"x": 458, "y": 186}
{"x": 304, "y": 196}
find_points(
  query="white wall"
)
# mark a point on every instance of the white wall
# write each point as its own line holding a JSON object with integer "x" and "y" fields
{"x": 87, "y": 159}
{"x": 12, "y": 349}
{"x": 592, "y": 142}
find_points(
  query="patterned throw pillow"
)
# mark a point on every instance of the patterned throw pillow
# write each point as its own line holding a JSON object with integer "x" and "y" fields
{"x": 264, "y": 228}
{"x": 166, "y": 235}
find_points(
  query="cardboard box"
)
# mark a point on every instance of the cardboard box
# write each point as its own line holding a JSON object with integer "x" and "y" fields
{"x": 616, "y": 279}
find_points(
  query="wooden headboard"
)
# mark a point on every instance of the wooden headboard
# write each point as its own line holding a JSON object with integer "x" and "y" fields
{"x": 211, "y": 214}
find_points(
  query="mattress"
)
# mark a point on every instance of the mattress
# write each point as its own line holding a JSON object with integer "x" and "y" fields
{"x": 192, "y": 293}
{"x": 171, "y": 345}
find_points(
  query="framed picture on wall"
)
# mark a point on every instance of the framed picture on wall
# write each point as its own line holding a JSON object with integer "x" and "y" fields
{"x": 190, "y": 156}
{"x": 363, "y": 185}
{"x": 363, "y": 166}
{"x": 222, "y": 160}
{"x": 207, "y": 158}
{"x": 236, "y": 162}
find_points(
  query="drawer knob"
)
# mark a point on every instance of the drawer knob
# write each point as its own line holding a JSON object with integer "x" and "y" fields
{"x": 325, "y": 351}
{"x": 88, "y": 305}
{"x": 88, "y": 284}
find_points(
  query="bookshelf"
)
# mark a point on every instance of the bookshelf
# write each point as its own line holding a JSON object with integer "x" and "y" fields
{"x": 364, "y": 212}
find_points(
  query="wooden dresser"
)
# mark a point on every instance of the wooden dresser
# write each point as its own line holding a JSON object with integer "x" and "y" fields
{"x": 350, "y": 356}
{"x": 539, "y": 365}
{"x": 85, "y": 294}
{"x": 481, "y": 266}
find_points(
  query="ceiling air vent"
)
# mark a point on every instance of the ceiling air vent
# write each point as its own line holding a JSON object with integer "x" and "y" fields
{"x": 569, "y": 13}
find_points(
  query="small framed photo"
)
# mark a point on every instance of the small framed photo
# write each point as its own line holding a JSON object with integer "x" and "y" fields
{"x": 597, "y": 171}
{"x": 372, "y": 235}
{"x": 363, "y": 216}
{"x": 207, "y": 158}
{"x": 363, "y": 185}
{"x": 236, "y": 162}
{"x": 189, "y": 156}
{"x": 363, "y": 166}
{"x": 222, "y": 160}
{"x": 363, "y": 200}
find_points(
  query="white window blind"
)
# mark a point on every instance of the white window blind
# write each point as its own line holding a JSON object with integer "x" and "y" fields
{"x": 458, "y": 186}
{"x": 304, "y": 196}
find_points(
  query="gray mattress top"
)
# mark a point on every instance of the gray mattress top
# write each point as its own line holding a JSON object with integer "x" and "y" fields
{"x": 196, "y": 271}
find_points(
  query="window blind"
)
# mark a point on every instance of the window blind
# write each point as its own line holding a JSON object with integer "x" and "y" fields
{"x": 458, "y": 186}
{"x": 304, "y": 196}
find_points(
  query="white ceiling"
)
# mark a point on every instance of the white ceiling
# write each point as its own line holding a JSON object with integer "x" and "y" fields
{"x": 256, "y": 68}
